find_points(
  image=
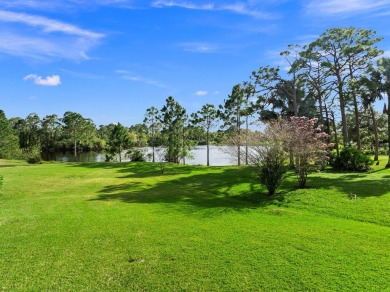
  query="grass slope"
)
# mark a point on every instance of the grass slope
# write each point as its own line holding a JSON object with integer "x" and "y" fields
{"x": 124, "y": 226}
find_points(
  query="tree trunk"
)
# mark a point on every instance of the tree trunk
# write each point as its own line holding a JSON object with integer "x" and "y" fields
{"x": 335, "y": 135}
{"x": 75, "y": 148}
{"x": 342, "y": 108}
{"x": 356, "y": 109}
{"x": 327, "y": 123}
{"x": 388, "y": 126}
{"x": 208, "y": 150}
{"x": 246, "y": 141}
{"x": 357, "y": 122}
{"x": 374, "y": 123}
{"x": 239, "y": 137}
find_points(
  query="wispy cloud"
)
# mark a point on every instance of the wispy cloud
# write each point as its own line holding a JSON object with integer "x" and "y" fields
{"x": 201, "y": 93}
{"x": 243, "y": 7}
{"x": 337, "y": 7}
{"x": 182, "y": 4}
{"x": 53, "y": 80}
{"x": 55, "y": 5}
{"x": 127, "y": 75}
{"x": 48, "y": 25}
{"x": 45, "y": 37}
{"x": 196, "y": 47}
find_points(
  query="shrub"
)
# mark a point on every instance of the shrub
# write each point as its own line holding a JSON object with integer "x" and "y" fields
{"x": 33, "y": 155}
{"x": 137, "y": 155}
{"x": 351, "y": 159}
{"x": 307, "y": 146}
{"x": 268, "y": 154}
{"x": 271, "y": 170}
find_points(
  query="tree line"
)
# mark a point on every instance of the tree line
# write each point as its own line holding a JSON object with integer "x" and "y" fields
{"x": 336, "y": 79}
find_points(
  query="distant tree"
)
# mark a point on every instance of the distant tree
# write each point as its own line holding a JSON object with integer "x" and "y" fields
{"x": 139, "y": 132}
{"x": 119, "y": 141}
{"x": 9, "y": 143}
{"x": 344, "y": 54}
{"x": 153, "y": 124}
{"x": 50, "y": 132}
{"x": 384, "y": 69}
{"x": 173, "y": 118}
{"x": 205, "y": 118}
{"x": 231, "y": 114}
{"x": 74, "y": 128}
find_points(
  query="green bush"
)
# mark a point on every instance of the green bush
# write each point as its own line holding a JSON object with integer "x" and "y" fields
{"x": 33, "y": 155}
{"x": 137, "y": 155}
{"x": 351, "y": 159}
{"x": 271, "y": 170}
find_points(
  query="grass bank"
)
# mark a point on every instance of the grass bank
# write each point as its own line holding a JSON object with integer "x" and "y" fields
{"x": 123, "y": 226}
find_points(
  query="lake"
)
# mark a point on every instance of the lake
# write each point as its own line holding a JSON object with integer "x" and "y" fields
{"x": 219, "y": 156}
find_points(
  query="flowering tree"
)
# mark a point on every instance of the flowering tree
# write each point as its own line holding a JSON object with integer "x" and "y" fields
{"x": 307, "y": 145}
{"x": 268, "y": 152}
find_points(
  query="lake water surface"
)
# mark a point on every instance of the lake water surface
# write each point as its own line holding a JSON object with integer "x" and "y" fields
{"x": 219, "y": 156}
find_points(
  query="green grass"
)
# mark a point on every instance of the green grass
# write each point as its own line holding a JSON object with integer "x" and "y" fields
{"x": 124, "y": 226}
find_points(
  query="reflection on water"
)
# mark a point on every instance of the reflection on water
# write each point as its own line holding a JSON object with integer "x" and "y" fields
{"x": 219, "y": 156}
{"x": 69, "y": 157}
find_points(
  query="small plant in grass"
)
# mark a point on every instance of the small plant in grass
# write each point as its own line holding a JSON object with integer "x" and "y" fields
{"x": 351, "y": 159}
{"x": 161, "y": 158}
{"x": 1, "y": 181}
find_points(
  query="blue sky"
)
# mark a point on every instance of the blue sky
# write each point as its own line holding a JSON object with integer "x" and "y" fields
{"x": 112, "y": 59}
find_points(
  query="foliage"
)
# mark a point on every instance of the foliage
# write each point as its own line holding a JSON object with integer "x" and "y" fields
{"x": 306, "y": 142}
{"x": 384, "y": 69}
{"x": 153, "y": 125}
{"x": 268, "y": 154}
{"x": 9, "y": 142}
{"x": 175, "y": 126}
{"x": 137, "y": 155}
{"x": 231, "y": 113}
{"x": 78, "y": 130}
{"x": 206, "y": 119}
{"x": 33, "y": 154}
{"x": 352, "y": 159}
{"x": 119, "y": 140}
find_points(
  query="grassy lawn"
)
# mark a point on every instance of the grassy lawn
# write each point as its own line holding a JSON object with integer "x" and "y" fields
{"x": 124, "y": 226}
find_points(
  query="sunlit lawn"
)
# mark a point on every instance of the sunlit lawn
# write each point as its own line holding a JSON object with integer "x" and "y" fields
{"x": 126, "y": 227}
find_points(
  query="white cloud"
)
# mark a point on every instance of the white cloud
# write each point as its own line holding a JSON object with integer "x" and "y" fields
{"x": 198, "y": 47}
{"x": 56, "y": 5}
{"x": 182, "y": 4}
{"x": 45, "y": 37}
{"x": 201, "y": 93}
{"x": 48, "y": 25}
{"x": 127, "y": 75}
{"x": 337, "y": 7}
{"x": 53, "y": 80}
{"x": 245, "y": 8}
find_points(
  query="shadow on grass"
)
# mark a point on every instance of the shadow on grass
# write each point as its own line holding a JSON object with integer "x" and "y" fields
{"x": 229, "y": 187}
{"x": 214, "y": 187}
{"x": 363, "y": 185}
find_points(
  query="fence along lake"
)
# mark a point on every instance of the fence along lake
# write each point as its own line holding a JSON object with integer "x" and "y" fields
{"x": 219, "y": 156}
